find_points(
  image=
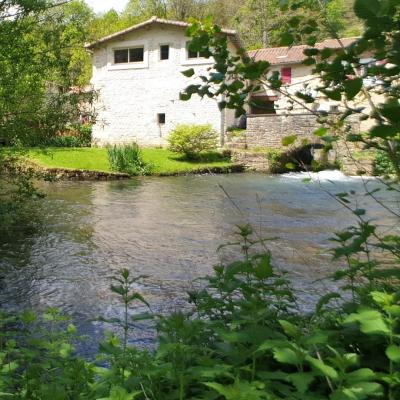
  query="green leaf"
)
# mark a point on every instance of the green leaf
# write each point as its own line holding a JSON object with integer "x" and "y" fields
{"x": 371, "y": 322}
{"x": 288, "y": 140}
{"x": 384, "y": 131}
{"x": 139, "y": 297}
{"x": 360, "y": 375}
{"x": 12, "y": 366}
{"x": 333, "y": 94}
{"x": 188, "y": 72}
{"x": 65, "y": 350}
{"x": 286, "y": 356}
{"x": 322, "y": 368}
{"x": 321, "y": 131}
{"x": 119, "y": 393}
{"x": 352, "y": 87}
{"x": 118, "y": 289}
{"x": 358, "y": 391}
{"x": 184, "y": 96}
{"x": 290, "y": 329}
{"x": 382, "y": 299}
{"x": 393, "y": 353}
{"x": 71, "y": 329}
{"x": 239, "y": 390}
{"x": 301, "y": 380}
{"x": 270, "y": 344}
{"x": 366, "y": 9}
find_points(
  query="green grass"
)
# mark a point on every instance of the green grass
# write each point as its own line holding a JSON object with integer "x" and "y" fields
{"x": 163, "y": 161}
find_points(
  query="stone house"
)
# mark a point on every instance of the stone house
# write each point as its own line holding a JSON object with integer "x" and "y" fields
{"x": 137, "y": 74}
{"x": 296, "y": 76}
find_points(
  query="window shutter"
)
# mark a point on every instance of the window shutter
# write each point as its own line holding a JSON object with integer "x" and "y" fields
{"x": 286, "y": 75}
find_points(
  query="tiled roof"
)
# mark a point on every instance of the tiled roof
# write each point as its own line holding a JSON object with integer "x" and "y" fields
{"x": 294, "y": 54}
{"x": 155, "y": 20}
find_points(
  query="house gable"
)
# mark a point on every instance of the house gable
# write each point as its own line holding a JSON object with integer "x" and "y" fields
{"x": 139, "y": 98}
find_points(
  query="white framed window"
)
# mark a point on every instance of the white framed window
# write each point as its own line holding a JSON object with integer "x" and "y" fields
{"x": 129, "y": 55}
{"x": 189, "y": 57}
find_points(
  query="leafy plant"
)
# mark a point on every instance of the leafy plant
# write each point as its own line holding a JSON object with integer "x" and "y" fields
{"x": 127, "y": 159}
{"x": 191, "y": 140}
{"x": 383, "y": 165}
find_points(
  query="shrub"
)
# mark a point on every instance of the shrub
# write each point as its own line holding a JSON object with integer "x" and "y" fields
{"x": 383, "y": 165}
{"x": 127, "y": 159}
{"x": 236, "y": 132}
{"x": 191, "y": 140}
{"x": 75, "y": 136}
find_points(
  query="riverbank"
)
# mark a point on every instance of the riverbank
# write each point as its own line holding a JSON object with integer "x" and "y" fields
{"x": 93, "y": 163}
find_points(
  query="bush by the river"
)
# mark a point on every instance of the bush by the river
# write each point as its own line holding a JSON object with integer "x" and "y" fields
{"x": 192, "y": 140}
{"x": 128, "y": 159}
{"x": 245, "y": 338}
{"x": 76, "y": 136}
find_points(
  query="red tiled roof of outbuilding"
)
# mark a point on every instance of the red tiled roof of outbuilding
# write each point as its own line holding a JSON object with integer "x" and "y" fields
{"x": 294, "y": 54}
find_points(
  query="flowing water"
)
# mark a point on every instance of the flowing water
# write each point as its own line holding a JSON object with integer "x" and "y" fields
{"x": 169, "y": 229}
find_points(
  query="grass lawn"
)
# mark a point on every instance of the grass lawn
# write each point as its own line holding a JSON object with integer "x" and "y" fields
{"x": 163, "y": 161}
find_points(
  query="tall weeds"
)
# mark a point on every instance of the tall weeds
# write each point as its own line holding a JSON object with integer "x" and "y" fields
{"x": 127, "y": 159}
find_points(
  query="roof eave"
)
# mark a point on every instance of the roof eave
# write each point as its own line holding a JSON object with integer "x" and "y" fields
{"x": 152, "y": 20}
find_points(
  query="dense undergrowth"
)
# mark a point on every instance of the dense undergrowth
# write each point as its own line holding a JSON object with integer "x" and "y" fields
{"x": 244, "y": 338}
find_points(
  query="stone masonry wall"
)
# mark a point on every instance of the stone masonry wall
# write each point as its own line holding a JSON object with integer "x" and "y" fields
{"x": 269, "y": 130}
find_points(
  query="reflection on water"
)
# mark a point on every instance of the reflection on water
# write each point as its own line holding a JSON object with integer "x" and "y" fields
{"x": 168, "y": 229}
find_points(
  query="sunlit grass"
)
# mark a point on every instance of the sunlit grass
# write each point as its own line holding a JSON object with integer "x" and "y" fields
{"x": 163, "y": 162}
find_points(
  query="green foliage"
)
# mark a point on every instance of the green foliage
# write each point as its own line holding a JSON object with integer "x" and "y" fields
{"x": 343, "y": 74}
{"x": 78, "y": 136}
{"x": 192, "y": 140}
{"x": 37, "y": 358}
{"x": 244, "y": 338}
{"x": 38, "y": 68}
{"x": 277, "y": 160}
{"x": 18, "y": 195}
{"x": 383, "y": 165}
{"x": 127, "y": 159}
{"x": 236, "y": 132}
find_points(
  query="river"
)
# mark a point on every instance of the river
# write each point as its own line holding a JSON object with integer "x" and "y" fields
{"x": 169, "y": 229}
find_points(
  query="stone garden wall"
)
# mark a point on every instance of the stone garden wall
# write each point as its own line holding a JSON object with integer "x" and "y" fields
{"x": 269, "y": 130}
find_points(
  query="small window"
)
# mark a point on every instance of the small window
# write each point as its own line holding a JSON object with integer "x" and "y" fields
{"x": 334, "y": 108}
{"x": 136, "y": 54}
{"x": 164, "y": 52}
{"x": 129, "y": 55}
{"x": 121, "y": 56}
{"x": 286, "y": 75}
{"x": 161, "y": 118}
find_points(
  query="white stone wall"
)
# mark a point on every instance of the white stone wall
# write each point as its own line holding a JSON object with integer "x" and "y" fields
{"x": 304, "y": 81}
{"x": 131, "y": 95}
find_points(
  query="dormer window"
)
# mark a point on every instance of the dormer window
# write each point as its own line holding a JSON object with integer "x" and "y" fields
{"x": 132, "y": 55}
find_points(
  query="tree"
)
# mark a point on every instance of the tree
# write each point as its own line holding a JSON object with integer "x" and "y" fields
{"x": 235, "y": 77}
{"x": 41, "y": 58}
